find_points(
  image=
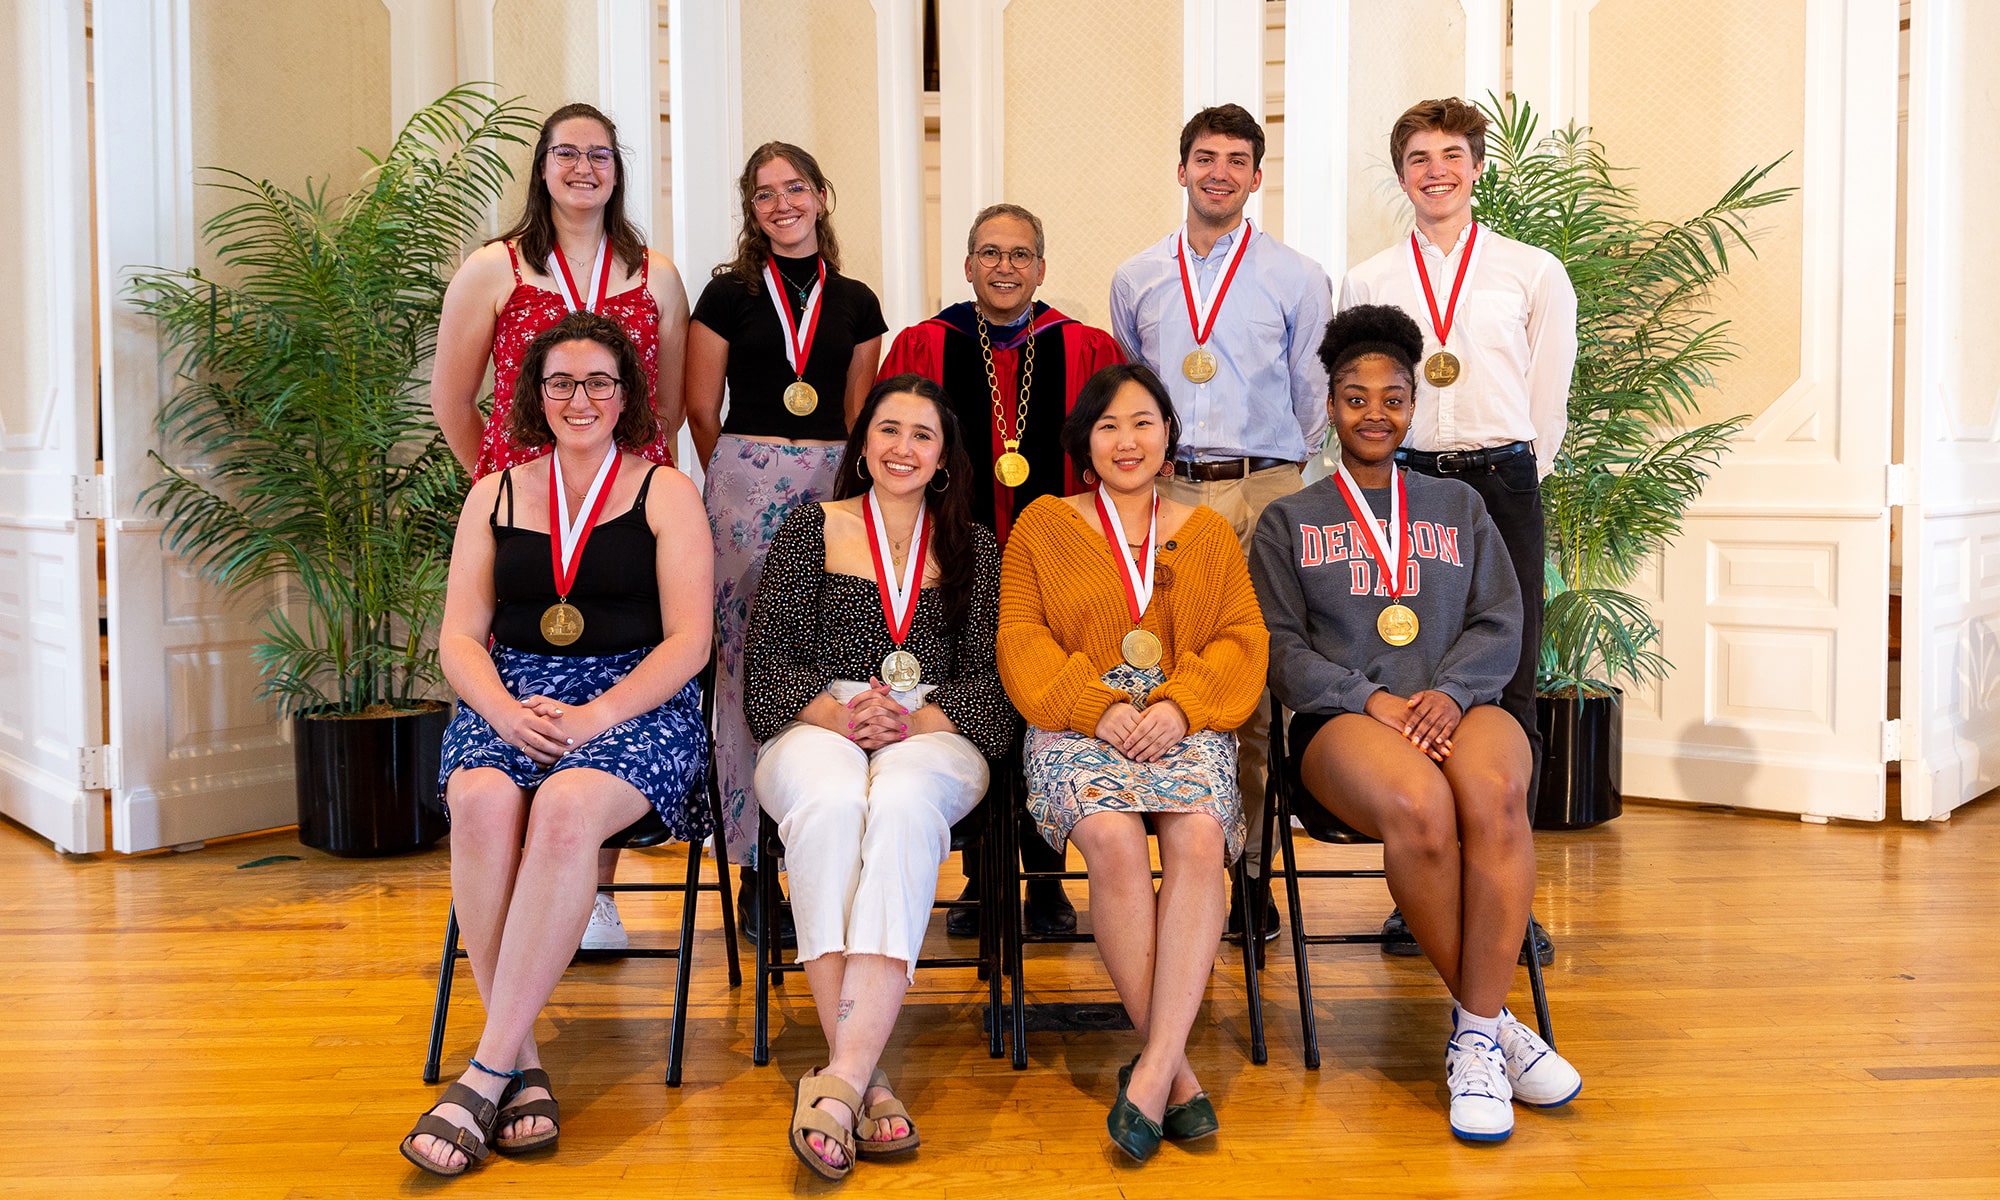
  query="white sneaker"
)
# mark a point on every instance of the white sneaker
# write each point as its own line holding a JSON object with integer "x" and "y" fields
{"x": 1476, "y": 1071}
{"x": 605, "y": 931}
{"x": 1539, "y": 1075}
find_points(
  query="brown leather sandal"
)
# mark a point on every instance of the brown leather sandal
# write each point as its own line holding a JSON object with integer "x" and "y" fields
{"x": 880, "y": 1114}
{"x": 815, "y": 1086}
{"x": 470, "y": 1142}
{"x": 515, "y": 1110}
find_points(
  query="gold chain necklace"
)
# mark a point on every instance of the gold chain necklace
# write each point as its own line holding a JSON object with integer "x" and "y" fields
{"x": 1011, "y": 468}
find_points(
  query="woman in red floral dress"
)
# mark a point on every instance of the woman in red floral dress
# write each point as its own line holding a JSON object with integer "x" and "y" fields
{"x": 571, "y": 248}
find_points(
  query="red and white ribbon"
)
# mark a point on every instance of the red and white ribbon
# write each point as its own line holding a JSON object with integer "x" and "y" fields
{"x": 1441, "y": 323}
{"x": 600, "y": 278}
{"x": 567, "y": 535}
{"x": 1202, "y": 312}
{"x": 898, "y": 596}
{"x": 798, "y": 336}
{"x": 1137, "y": 578}
{"x": 1392, "y": 548}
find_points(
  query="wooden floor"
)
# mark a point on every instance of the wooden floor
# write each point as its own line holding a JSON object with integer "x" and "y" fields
{"x": 1760, "y": 1008}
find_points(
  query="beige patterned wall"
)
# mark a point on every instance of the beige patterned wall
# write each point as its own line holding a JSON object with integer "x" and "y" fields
{"x": 1093, "y": 130}
{"x": 546, "y": 52}
{"x": 24, "y": 334}
{"x": 1398, "y": 54}
{"x": 1690, "y": 95}
{"x": 809, "y": 79}
{"x": 1978, "y": 298}
{"x": 287, "y": 100}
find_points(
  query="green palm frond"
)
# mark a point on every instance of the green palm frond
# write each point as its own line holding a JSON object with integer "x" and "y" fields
{"x": 305, "y": 446}
{"x": 1647, "y": 349}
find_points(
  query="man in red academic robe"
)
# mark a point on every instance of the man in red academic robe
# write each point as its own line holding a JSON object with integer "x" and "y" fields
{"x": 979, "y": 351}
{"x": 1012, "y": 368}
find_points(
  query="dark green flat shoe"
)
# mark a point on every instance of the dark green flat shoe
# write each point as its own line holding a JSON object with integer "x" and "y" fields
{"x": 1187, "y": 1122}
{"x": 1132, "y": 1131}
{"x": 1190, "y": 1121}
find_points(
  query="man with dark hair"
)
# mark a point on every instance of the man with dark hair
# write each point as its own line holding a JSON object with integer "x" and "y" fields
{"x": 1012, "y": 366}
{"x": 1492, "y": 403}
{"x": 1230, "y": 318}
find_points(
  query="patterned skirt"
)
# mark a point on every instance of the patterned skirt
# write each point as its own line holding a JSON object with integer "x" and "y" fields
{"x": 662, "y": 753}
{"x": 751, "y": 485}
{"x": 1071, "y": 776}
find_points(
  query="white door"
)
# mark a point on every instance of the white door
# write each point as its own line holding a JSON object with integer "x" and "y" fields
{"x": 198, "y": 755}
{"x": 1774, "y": 603}
{"x": 50, "y": 715}
{"x": 1951, "y": 435}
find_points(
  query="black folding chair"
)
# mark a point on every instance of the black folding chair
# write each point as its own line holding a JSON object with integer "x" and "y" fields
{"x": 646, "y": 831}
{"x": 772, "y": 965}
{"x": 1281, "y": 803}
{"x": 1018, "y": 934}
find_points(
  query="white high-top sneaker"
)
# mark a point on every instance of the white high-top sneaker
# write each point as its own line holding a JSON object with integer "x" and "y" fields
{"x": 1538, "y": 1075}
{"x": 1476, "y": 1071}
{"x": 605, "y": 931}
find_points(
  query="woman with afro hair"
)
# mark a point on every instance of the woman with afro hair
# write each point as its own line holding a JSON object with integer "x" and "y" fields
{"x": 1395, "y": 624}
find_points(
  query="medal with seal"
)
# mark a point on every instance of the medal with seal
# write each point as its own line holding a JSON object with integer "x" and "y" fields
{"x": 1396, "y": 624}
{"x": 1141, "y": 647}
{"x": 900, "y": 669}
{"x": 1442, "y": 368}
{"x": 801, "y": 398}
{"x": 562, "y": 622}
{"x": 1200, "y": 364}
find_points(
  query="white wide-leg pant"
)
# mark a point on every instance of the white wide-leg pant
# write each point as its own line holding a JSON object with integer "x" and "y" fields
{"x": 865, "y": 833}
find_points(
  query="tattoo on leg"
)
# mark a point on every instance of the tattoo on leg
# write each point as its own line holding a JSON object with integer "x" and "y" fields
{"x": 846, "y": 1007}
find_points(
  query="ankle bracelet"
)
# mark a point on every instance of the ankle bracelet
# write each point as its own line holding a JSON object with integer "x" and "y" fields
{"x": 480, "y": 1066}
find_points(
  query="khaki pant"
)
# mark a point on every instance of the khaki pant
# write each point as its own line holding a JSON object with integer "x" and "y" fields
{"x": 1240, "y": 502}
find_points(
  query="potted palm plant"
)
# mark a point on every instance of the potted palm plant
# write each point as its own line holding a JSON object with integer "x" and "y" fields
{"x": 1631, "y": 465}
{"x": 311, "y": 459}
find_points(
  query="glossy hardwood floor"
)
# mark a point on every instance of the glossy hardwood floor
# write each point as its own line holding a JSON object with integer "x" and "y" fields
{"x": 1760, "y": 1008}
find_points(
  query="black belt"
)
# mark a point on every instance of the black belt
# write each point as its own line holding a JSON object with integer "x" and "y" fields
{"x": 1452, "y": 462}
{"x": 1210, "y": 470}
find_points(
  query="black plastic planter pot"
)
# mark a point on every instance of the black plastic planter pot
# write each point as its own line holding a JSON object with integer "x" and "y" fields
{"x": 368, "y": 785}
{"x": 1582, "y": 760}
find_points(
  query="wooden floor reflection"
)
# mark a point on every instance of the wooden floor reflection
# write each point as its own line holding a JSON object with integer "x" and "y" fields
{"x": 1760, "y": 1008}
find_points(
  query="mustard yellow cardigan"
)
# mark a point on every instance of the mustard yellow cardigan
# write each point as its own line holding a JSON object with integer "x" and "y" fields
{"x": 1063, "y": 614}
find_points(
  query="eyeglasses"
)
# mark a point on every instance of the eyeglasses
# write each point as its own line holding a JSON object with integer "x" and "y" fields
{"x": 597, "y": 387}
{"x": 765, "y": 199}
{"x": 1020, "y": 257}
{"x": 567, "y": 155}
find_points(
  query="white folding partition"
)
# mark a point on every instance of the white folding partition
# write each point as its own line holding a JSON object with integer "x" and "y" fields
{"x": 1950, "y": 723}
{"x": 1774, "y": 601}
{"x": 51, "y": 754}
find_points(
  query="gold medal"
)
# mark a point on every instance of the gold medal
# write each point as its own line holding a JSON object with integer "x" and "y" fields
{"x": 901, "y": 670}
{"x": 1141, "y": 649}
{"x": 801, "y": 399}
{"x": 562, "y": 624}
{"x": 1397, "y": 624}
{"x": 1441, "y": 369}
{"x": 1011, "y": 468}
{"x": 1199, "y": 365}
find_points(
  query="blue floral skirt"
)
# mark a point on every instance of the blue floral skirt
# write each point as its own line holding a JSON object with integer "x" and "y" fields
{"x": 662, "y": 753}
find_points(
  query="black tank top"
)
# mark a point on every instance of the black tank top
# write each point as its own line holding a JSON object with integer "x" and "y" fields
{"x": 617, "y": 586}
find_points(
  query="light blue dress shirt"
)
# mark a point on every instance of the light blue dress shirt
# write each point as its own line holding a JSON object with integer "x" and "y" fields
{"x": 1268, "y": 397}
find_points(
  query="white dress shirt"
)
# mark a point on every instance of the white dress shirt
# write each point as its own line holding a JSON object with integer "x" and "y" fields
{"x": 1514, "y": 334}
{"x": 1268, "y": 397}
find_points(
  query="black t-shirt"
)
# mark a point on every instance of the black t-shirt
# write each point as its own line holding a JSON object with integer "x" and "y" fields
{"x": 758, "y": 371}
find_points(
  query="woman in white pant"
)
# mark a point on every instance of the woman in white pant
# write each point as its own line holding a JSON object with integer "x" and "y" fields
{"x": 869, "y": 679}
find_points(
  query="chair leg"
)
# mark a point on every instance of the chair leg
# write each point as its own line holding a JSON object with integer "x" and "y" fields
{"x": 684, "y": 964}
{"x": 1308, "y": 1024}
{"x": 720, "y": 842}
{"x": 1253, "y": 940}
{"x": 999, "y": 808}
{"x": 767, "y": 937}
{"x": 1007, "y": 873}
{"x": 446, "y": 969}
{"x": 1535, "y": 986}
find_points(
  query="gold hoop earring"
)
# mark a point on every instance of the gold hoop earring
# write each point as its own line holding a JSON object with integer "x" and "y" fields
{"x": 946, "y": 472}
{"x": 859, "y": 469}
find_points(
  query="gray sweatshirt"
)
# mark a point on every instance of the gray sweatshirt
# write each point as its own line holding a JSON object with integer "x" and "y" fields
{"x": 1321, "y": 592}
